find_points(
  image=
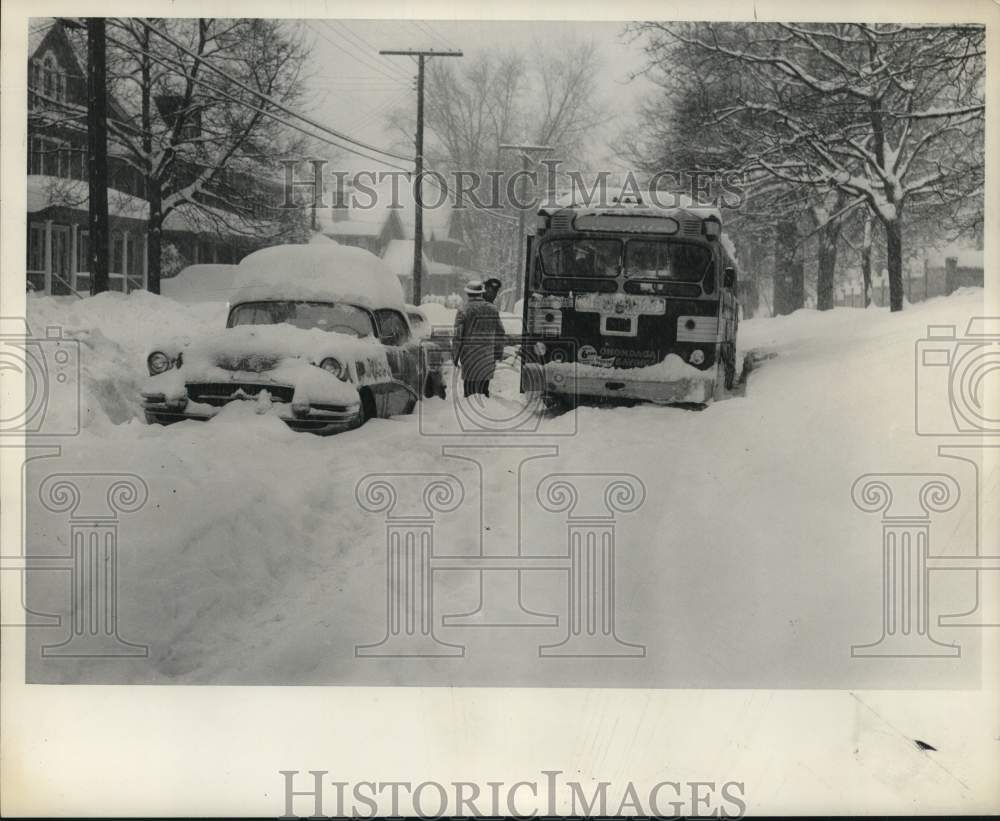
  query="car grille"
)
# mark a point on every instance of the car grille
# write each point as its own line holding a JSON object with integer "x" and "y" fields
{"x": 220, "y": 393}
{"x": 254, "y": 363}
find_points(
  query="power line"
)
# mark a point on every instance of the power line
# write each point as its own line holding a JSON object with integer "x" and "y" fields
{"x": 166, "y": 62}
{"x": 277, "y": 104}
{"x": 367, "y": 46}
{"x": 352, "y": 46}
{"x": 433, "y": 33}
{"x": 372, "y": 114}
{"x": 320, "y": 137}
{"x": 344, "y": 46}
{"x": 215, "y": 89}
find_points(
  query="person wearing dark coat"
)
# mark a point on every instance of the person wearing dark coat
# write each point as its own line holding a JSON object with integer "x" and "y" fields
{"x": 477, "y": 341}
{"x": 491, "y": 289}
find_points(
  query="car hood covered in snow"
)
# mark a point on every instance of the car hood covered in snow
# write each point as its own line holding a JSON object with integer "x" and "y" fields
{"x": 278, "y": 354}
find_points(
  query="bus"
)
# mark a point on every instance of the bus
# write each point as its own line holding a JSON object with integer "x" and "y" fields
{"x": 629, "y": 302}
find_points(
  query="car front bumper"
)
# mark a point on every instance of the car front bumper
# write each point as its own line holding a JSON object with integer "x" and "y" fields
{"x": 323, "y": 421}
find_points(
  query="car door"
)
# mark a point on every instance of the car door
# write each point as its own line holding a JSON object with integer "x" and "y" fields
{"x": 401, "y": 352}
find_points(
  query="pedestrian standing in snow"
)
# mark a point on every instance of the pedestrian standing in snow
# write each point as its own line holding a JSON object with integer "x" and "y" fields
{"x": 491, "y": 289}
{"x": 477, "y": 342}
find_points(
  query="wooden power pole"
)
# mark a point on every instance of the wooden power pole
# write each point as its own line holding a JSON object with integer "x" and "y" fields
{"x": 418, "y": 206}
{"x": 97, "y": 152}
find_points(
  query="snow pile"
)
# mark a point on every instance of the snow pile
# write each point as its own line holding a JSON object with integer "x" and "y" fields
{"x": 453, "y": 300}
{"x": 200, "y": 283}
{"x": 254, "y": 563}
{"x": 321, "y": 271}
{"x": 113, "y": 332}
{"x": 438, "y": 315}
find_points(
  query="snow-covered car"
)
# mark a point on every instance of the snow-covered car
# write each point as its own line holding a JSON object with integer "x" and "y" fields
{"x": 316, "y": 334}
{"x": 419, "y": 323}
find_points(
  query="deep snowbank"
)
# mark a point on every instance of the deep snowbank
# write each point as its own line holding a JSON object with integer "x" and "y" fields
{"x": 114, "y": 332}
{"x": 748, "y": 566}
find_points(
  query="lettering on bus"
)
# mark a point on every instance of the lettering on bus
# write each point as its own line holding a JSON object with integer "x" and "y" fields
{"x": 614, "y": 356}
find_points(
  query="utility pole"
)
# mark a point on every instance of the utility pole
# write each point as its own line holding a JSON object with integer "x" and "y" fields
{"x": 97, "y": 153}
{"x": 418, "y": 206}
{"x": 526, "y": 161}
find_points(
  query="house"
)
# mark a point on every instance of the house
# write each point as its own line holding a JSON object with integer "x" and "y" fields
{"x": 58, "y": 191}
{"x": 388, "y": 232}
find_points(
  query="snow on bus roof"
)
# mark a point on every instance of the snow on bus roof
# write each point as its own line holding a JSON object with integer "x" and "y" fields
{"x": 318, "y": 271}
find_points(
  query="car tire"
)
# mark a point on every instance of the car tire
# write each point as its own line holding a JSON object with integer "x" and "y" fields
{"x": 368, "y": 409}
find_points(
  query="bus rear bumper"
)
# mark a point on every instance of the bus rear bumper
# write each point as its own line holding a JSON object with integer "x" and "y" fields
{"x": 564, "y": 382}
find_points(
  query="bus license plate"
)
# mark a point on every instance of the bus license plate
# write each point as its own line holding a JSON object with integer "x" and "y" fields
{"x": 621, "y": 304}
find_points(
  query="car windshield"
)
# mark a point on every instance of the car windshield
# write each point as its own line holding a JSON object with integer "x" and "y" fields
{"x": 327, "y": 316}
{"x": 581, "y": 257}
{"x": 657, "y": 259}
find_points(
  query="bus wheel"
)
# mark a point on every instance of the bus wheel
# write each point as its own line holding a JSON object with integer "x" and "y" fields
{"x": 559, "y": 403}
{"x": 729, "y": 359}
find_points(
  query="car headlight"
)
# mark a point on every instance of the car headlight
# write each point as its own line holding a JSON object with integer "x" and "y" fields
{"x": 697, "y": 356}
{"x": 334, "y": 366}
{"x": 158, "y": 362}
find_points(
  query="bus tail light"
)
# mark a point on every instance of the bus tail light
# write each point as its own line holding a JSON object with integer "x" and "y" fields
{"x": 698, "y": 329}
{"x": 545, "y": 321}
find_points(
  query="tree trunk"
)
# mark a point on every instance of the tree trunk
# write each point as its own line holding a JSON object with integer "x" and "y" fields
{"x": 154, "y": 242}
{"x": 894, "y": 262}
{"x": 829, "y": 236}
{"x": 154, "y": 226}
{"x": 866, "y": 261}
{"x": 789, "y": 271}
{"x": 827, "y": 265}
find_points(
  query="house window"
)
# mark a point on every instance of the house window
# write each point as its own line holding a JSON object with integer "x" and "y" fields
{"x": 34, "y": 83}
{"x": 53, "y": 157}
{"x": 36, "y": 247}
{"x": 83, "y": 251}
{"x": 117, "y": 252}
{"x": 50, "y": 76}
{"x": 135, "y": 260}
{"x": 35, "y": 155}
{"x": 49, "y": 79}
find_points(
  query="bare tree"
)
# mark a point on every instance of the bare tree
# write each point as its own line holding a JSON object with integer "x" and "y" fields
{"x": 474, "y": 106}
{"x": 199, "y": 136}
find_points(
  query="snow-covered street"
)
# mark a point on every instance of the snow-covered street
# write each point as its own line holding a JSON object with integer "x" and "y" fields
{"x": 747, "y": 565}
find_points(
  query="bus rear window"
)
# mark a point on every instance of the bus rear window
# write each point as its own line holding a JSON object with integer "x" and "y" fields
{"x": 581, "y": 257}
{"x": 676, "y": 261}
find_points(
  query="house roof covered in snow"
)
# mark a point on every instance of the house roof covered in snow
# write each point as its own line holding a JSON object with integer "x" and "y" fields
{"x": 398, "y": 257}
{"x": 384, "y": 203}
{"x": 964, "y": 257}
{"x": 57, "y": 192}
